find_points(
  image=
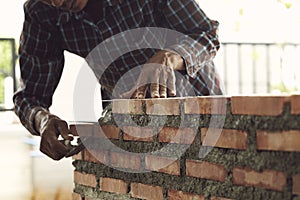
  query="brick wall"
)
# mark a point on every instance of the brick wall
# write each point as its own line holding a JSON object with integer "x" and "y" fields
{"x": 206, "y": 148}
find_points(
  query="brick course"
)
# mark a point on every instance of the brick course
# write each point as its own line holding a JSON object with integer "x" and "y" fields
{"x": 256, "y": 154}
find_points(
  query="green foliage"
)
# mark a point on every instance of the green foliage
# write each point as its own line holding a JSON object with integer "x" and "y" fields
{"x": 287, "y": 3}
{"x": 5, "y": 65}
{"x": 281, "y": 87}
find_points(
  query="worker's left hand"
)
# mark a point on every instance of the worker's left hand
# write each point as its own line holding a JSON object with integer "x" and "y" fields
{"x": 158, "y": 74}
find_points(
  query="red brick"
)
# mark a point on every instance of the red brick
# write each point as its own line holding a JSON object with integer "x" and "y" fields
{"x": 125, "y": 160}
{"x": 206, "y": 105}
{"x": 258, "y": 105}
{"x": 177, "y": 135}
{"x": 219, "y": 198}
{"x": 76, "y": 196}
{"x": 295, "y": 104}
{"x": 224, "y": 138}
{"x": 137, "y": 133}
{"x": 77, "y": 156}
{"x": 163, "y": 164}
{"x": 149, "y": 192}
{"x": 296, "y": 184}
{"x": 278, "y": 141}
{"x": 111, "y": 132}
{"x": 167, "y": 106}
{"x": 108, "y": 131}
{"x": 179, "y": 195}
{"x": 85, "y": 179}
{"x": 127, "y": 106}
{"x": 268, "y": 179}
{"x": 96, "y": 156}
{"x": 113, "y": 185}
{"x": 206, "y": 170}
{"x": 82, "y": 129}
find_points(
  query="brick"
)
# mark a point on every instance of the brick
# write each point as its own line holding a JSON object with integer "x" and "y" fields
{"x": 224, "y": 138}
{"x": 268, "y": 179}
{"x": 137, "y": 133}
{"x": 278, "y": 141}
{"x": 206, "y": 105}
{"x": 82, "y": 129}
{"x": 295, "y": 104}
{"x": 125, "y": 160}
{"x": 206, "y": 170}
{"x": 166, "y": 106}
{"x": 179, "y": 195}
{"x": 113, "y": 185}
{"x": 76, "y": 196}
{"x": 219, "y": 198}
{"x": 108, "y": 131}
{"x": 296, "y": 184}
{"x": 177, "y": 135}
{"x": 258, "y": 105}
{"x": 149, "y": 192}
{"x": 96, "y": 156}
{"x": 85, "y": 179}
{"x": 163, "y": 164}
{"x": 127, "y": 106}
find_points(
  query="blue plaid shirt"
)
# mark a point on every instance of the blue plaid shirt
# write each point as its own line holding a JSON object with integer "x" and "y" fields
{"x": 48, "y": 32}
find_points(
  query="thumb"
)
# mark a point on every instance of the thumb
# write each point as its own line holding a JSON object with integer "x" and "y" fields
{"x": 64, "y": 130}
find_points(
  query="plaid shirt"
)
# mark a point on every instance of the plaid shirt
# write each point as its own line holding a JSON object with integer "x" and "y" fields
{"x": 48, "y": 31}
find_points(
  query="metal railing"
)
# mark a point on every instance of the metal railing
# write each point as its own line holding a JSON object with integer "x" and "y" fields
{"x": 8, "y": 58}
{"x": 249, "y": 68}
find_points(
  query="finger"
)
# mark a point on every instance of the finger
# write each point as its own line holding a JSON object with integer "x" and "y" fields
{"x": 64, "y": 130}
{"x": 141, "y": 92}
{"x": 68, "y": 4}
{"x": 154, "y": 90}
{"x": 163, "y": 84}
{"x": 171, "y": 83}
{"x": 155, "y": 80}
{"x": 53, "y": 148}
{"x": 57, "y": 3}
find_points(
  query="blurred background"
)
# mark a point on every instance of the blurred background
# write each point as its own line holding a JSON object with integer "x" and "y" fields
{"x": 260, "y": 54}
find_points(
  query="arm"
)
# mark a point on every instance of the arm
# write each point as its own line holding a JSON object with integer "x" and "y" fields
{"x": 200, "y": 43}
{"x": 41, "y": 64}
{"x": 191, "y": 52}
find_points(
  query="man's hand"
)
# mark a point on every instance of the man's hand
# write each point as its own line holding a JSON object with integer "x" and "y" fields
{"x": 157, "y": 74}
{"x": 50, "y": 127}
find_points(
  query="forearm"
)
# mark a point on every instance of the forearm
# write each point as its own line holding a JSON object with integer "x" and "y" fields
{"x": 198, "y": 42}
{"x": 26, "y": 109}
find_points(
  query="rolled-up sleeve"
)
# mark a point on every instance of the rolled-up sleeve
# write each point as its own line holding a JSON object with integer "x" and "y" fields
{"x": 200, "y": 42}
{"x": 41, "y": 63}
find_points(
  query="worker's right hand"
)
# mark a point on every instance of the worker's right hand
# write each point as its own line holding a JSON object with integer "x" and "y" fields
{"x": 50, "y": 128}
